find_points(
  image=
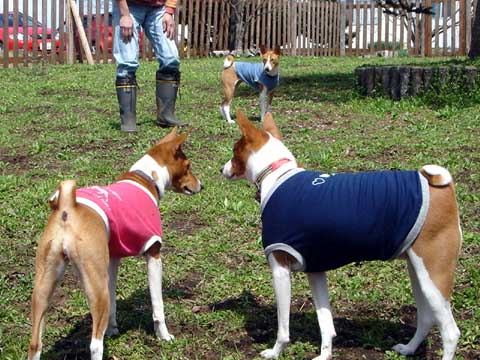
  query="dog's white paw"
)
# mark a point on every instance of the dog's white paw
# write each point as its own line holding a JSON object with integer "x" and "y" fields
{"x": 403, "y": 349}
{"x": 162, "y": 332}
{"x": 231, "y": 121}
{"x": 269, "y": 354}
{"x": 167, "y": 337}
{"x": 112, "y": 331}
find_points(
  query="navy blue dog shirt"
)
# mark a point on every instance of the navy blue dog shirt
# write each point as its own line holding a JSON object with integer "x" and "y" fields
{"x": 327, "y": 221}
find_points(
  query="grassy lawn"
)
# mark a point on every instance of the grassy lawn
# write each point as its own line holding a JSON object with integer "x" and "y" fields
{"x": 62, "y": 122}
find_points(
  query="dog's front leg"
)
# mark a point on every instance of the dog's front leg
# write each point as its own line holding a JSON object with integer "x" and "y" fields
{"x": 318, "y": 285}
{"x": 282, "y": 289}
{"x": 113, "y": 264}
{"x": 155, "y": 271}
{"x": 264, "y": 102}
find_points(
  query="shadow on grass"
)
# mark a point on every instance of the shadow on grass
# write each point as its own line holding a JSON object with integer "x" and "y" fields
{"x": 356, "y": 332}
{"x": 133, "y": 313}
{"x": 335, "y": 88}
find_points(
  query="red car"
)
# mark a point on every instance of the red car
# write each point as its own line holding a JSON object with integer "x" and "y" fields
{"x": 52, "y": 42}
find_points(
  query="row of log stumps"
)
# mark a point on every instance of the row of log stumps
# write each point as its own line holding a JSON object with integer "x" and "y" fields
{"x": 403, "y": 81}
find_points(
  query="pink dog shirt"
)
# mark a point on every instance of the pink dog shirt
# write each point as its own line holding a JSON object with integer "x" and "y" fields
{"x": 130, "y": 214}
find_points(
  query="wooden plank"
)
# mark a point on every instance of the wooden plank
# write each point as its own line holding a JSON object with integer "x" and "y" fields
{"x": 181, "y": 21}
{"x": 325, "y": 29}
{"x": 246, "y": 17}
{"x": 365, "y": 21}
{"x": 6, "y": 51}
{"x": 372, "y": 26}
{"x": 386, "y": 43}
{"x": 70, "y": 44}
{"x": 379, "y": 28}
{"x": 462, "y": 30}
{"x": 401, "y": 35}
{"x": 357, "y": 28}
{"x": 436, "y": 28}
{"x": 275, "y": 24}
{"x": 309, "y": 29}
{"x": 336, "y": 23}
{"x": 293, "y": 27}
{"x": 89, "y": 22}
{"x": 252, "y": 19}
{"x": 315, "y": 18}
{"x": 350, "y": 23}
{"x": 61, "y": 32}
{"x": 25, "y": 32}
{"x": 53, "y": 26}
{"x": 16, "y": 45}
{"x": 215, "y": 26}
{"x": 189, "y": 32}
{"x": 97, "y": 32}
{"x": 105, "y": 31}
{"x": 209, "y": 28}
{"x": 453, "y": 27}
{"x": 333, "y": 13}
{"x": 428, "y": 31}
{"x": 285, "y": 27}
{"x": 444, "y": 27}
{"x": 196, "y": 28}
{"x": 468, "y": 24}
{"x": 201, "y": 32}
{"x": 44, "y": 30}
{"x": 269, "y": 24}
{"x": 394, "y": 34}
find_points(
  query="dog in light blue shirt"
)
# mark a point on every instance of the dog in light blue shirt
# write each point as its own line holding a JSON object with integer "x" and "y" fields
{"x": 263, "y": 77}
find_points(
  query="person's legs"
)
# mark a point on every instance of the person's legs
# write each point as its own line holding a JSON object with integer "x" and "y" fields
{"x": 126, "y": 57}
{"x": 168, "y": 74}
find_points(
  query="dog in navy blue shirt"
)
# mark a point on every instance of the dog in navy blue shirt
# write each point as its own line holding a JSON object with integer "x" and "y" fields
{"x": 313, "y": 221}
{"x": 263, "y": 77}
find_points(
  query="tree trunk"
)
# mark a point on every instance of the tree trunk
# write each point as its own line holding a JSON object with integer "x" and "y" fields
{"x": 475, "y": 42}
{"x": 237, "y": 25}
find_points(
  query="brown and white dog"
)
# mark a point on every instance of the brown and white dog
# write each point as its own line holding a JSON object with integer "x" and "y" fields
{"x": 260, "y": 157}
{"x": 79, "y": 232}
{"x": 263, "y": 77}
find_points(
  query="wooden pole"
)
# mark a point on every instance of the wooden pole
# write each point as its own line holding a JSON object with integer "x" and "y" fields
{"x": 81, "y": 32}
{"x": 70, "y": 42}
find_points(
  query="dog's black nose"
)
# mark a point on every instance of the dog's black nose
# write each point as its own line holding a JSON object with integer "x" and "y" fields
{"x": 221, "y": 170}
{"x": 202, "y": 186}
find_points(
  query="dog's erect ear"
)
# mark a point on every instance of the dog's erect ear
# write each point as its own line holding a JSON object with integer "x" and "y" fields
{"x": 179, "y": 140}
{"x": 246, "y": 127}
{"x": 263, "y": 49}
{"x": 270, "y": 126}
{"x": 169, "y": 137}
{"x": 277, "y": 50}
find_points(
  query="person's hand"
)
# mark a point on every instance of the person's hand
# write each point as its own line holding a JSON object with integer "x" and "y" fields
{"x": 169, "y": 26}
{"x": 126, "y": 28}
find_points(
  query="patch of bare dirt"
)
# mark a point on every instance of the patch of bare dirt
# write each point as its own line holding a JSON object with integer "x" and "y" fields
{"x": 184, "y": 225}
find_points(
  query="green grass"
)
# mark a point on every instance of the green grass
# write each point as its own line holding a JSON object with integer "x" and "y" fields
{"x": 62, "y": 122}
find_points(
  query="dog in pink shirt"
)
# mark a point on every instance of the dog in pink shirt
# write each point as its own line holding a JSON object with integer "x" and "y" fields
{"x": 95, "y": 227}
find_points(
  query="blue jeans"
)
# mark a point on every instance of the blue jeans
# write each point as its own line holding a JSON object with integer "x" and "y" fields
{"x": 150, "y": 19}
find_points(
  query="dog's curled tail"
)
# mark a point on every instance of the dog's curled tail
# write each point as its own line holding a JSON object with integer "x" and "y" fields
{"x": 229, "y": 60}
{"x": 64, "y": 197}
{"x": 436, "y": 175}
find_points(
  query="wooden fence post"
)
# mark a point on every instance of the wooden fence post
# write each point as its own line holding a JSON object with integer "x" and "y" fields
{"x": 427, "y": 30}
{"x": 81, "y": 32}
{"x": 343, "y": 24}
{"x": 70, "y": 44}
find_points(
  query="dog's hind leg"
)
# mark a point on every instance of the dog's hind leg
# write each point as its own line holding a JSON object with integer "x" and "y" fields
{"x": 425, "y": 317}
{"x": 95, "y": 281}
{"x": 280, "y": 265}
{"x": 434, "y": 308}
{"x": 229, "y": 87}
{"x": 50, "y": 266}
{"x": 112, "y": 328}
{"x": 319, "y": 287}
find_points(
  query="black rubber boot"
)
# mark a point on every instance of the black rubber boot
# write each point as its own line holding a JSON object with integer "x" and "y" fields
{"x": 127, "y": 100}
{"x": 166, "y": 94}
